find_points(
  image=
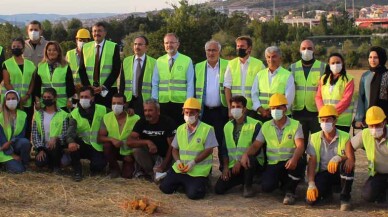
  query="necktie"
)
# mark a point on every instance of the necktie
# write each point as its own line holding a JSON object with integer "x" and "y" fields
{"x": 138, "y": 77}
{"x": 96, "y": 74}
{"x": 171, "y": 63}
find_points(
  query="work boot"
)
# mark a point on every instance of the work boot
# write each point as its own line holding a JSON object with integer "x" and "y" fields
{"x": 345, "y": 206}
{"x": 289, "y": 199}
{"x": 248, "y": 191}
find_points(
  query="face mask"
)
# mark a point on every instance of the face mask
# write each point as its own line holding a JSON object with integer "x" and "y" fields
{"x": 85, "y": 103}
{"x": 33, "y": 35}
{"x": 376, "y": 132}
{"x": 17, "y": 51}
{"x": 11, "y": 104}
{"x": 80, "y": 44}
{"x": 48, "y": 102}
{"x": 236, "y": 113}
{"x": 241, "y": 52}
{"x": 327, "y": 127}
{"x": 307, "y": 55}
{"x": 190, "y": 119}
{"x": 276, "y": 114}
{"x": 117, "y": 109}
{"x": 336, "y": 68}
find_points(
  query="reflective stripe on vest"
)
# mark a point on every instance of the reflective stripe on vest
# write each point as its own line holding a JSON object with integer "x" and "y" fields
{"x": 333, "y": 97}
{"x": 147, "y": 77}
{"x": 200, "y": 69}
{"x": 112, "y": 126}
{"x": 283, "y": 150}
{"x": 369, "y": 144}
{"x": 316, "y": 141}
{"x": 106, "y": 60}
{"x": 255, "y": 65}
{"x": 19, "y": 80}
{"x": 305, "y": 90}
{"x": 278, "y": 85}
{"x": 56, "y": 124}
{"x": 188, "y": 151}
{"x": 173, "y": 85}
{"x": 56, "y": 81}
{"x": 21, "y": 118}
{"x": 86, "y": 132}
{"x": 72, "y": 59}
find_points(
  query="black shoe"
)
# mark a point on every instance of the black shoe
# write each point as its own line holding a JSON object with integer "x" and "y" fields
{"x": 77, "y": 176}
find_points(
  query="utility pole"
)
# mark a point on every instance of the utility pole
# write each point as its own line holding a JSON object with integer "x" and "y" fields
{"x": 345, "y": 5}
{"x": 353, "y": 10}
{"x": 274, "y": 8}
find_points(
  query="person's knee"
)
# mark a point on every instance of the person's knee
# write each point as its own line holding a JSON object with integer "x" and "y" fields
{"x": 166, "y": 187}
{"x": 41, "y": 163}
{"x": 97, "y": 165}
{"x": 196, "y": 194}
{"x": 219, "y": 188}
{"x": 369, "y": 194}
{"x": 14, "y": 166}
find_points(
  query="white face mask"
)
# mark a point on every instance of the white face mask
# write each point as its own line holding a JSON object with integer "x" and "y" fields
{"x": 236, "y": 113}
{"x": 85, "y": 103}
{"x": 80, "y": 44}
{"x": 376, "y": 132}
{"x": 336, "y": 68}
{"x": 327, "y": 127}
{"x": 190, "y": 119}
{"x": 307, "y": 55}
{"x": 11, "y": 104}
{"x": 34, "y": 35}
{"x": 117, "y": 109}
{"x": 276, "y": 114}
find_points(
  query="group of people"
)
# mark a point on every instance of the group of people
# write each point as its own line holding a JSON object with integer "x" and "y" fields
{"x": 165, "y": 116}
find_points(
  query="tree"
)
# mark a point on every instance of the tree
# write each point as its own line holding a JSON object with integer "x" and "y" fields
{"x": 59, "y": 33}
{"x": 8, "y": 32}
{"x": 67, "y": 45}
{"x": 47, "y": 27}
{"x": 322, "y": 28}
{"x": 72, "y": 27}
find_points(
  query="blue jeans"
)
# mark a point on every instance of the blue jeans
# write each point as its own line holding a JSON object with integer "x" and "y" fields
{"x": 22, "y": 148}
{"x": 14, "y": 166}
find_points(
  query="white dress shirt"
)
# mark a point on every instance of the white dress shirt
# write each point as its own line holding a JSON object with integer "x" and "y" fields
{"x": 213, "y": 98}
{"x": 101, "y": 46}
{"x": 228, "y": 80}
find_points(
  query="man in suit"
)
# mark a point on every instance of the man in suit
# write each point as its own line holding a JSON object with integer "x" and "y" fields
{"x": 136, "y": 75}
{"x": 100, "y": 65}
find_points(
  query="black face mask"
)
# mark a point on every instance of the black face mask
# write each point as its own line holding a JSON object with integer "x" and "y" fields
{"x": 48, "y": 102}
{"x": 241, "y": 52}
{"x": 17, "y": 51}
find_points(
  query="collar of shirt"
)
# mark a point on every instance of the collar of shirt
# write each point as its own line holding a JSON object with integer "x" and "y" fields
{"x": 246, "y": 62}
{"x": 332, "y": 141}
{"x": 235, "y": 122}
{"x": 274, "y": 72}
{"x": 195, "y": 129}
{"x": 39, "y": 42}
{"x": 142, "y": 57}
{"x": 284, "y": 126}
{"x": 383, "y": 141}
{"x": 216, "y": 66}
{"x": 175, "y": 56}
{"x": 101, "y": 44}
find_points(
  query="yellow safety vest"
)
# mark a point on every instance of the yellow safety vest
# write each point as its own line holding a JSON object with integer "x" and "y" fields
{"x": 316, "y": 140}
{"x": 173, "y": 85}
{"x": 255, "y": 65}
{"x": 56, "y": 81}
{"x": 56, "y": 123}
{"x": 305, "y": 90}
{"x": 200, "y": 78}
{"x": 188, "y": 151}
{"x": 21, "y": 118}
{"x": 147, "y": 77}
{"x": 106, "y": 60}
{"x": 19, "y": 80}
{"x": 72, "y": 59}
{"x": 112, "y": 126}
{"x": 280, "y": 150}
{"x": 370, "y": 149}
{"x": 89, "y": 133}
{"x": 335, "y": 96}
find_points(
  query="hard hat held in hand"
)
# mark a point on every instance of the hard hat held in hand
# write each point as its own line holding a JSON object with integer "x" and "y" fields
{"x": 327, "y": 111}
{"x": 277, "y": 99}
{"x": 192, "y": 103}
{"x": 374, "y": 115}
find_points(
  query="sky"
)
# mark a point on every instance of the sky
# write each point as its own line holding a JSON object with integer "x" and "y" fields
{"x": 9, "y": 7}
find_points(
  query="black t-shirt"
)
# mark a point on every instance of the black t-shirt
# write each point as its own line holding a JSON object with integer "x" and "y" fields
{"x": 157, "y": 133}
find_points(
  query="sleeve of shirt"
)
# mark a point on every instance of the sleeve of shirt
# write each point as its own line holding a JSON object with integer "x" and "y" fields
{"x": 360, "y": 113}
{"x": 71, "y": 133}
{"x": 318, "y": 96}
{"x": 65, "y": 127}
{"x": 211, "y": 140}
{"x": 36, "y": 137}
{"x": 190, "y": 80}
{"x": 138, "y": 128}
{"x": 260, "y": 136}
{"x": 255, "y": 94}
{"x": 290, "y": 91}
{"x": 357, "y": 141}
{"x": 256, "y": 132}
{"x": 114, "y": 74}
{"x": 299, "y": 132}
{"x": 70, "y": 88}
{"x": 310, "y": 150}
{"x": 228, "y": 78}
{"x": 155, "y": 83}
{"x": 346, "y": 100}
{"x": 174, "y": 143}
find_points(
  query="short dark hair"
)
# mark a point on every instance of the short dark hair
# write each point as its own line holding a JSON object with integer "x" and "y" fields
{"x": 120, "y": 95}
{"x": 245, "y": 38}
{"x": 35, "y": 22}
{"x": 144, "y": 38}
{"x": 239, "y": 99}
{"x": 100, "y": 23}
{"x": 19, "y": 39}
{"x": 87, "y": 88}
{"x": 51, "y": 91}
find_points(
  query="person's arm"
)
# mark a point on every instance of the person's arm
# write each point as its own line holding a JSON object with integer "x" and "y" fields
{"x": 228, "y": 88}
{"x": 134, "y": 141}
{"x": 155, "y": 83}
{"x": 290, "y": 92}
{"x": 70, "y": 88}
{"x": 36, "y": 137}
{"x": 65, "y": 127}
{"x": 6, "y": 79}
{"x": 22, "y": 134}
{"x": 114, "y": 74}
{"x": 168, "y": 156}
{"x": 175, "y": 154}
{"x": 346, "y": 99}
{"x": 318, "y": 97}
{"x": 4, "y": 144}
{"x": 350, "y": 157}
{"x": 299, "y": 150}
{"x": 102, "y": 136}
{"x": 71, "y": 133}
{"x": 255, "y": 94}
{"x": 190, "y": 81}
{"x": 360, "y": 112}
{"x": 82, "y": 71}
{"x": 311, "y": 165}
{"x": 32, "y": 85}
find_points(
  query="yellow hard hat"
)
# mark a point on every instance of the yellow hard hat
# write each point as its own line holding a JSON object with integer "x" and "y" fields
{"x": 327, "y": 110}
{"x": 374, "y": 115}
{"x": 277, "y": 99}
{"x": 83, "y": 33}
{"x": 192, "y": 103}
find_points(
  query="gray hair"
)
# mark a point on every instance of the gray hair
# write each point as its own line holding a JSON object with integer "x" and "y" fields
{"x": 153, "y": 102}
{"x": 273, "y": 49}
{"x": 213, "y": 42}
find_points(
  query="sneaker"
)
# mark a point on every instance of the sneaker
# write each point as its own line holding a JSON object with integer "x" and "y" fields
{"x": 289, "y": 199}
{"x": 77, "y": 176}
{"x": 345, "y": 206}
{"x": 248, "y": 192}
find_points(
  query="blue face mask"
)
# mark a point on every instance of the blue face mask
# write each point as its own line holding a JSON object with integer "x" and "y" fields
{"x": 276, "y": 114}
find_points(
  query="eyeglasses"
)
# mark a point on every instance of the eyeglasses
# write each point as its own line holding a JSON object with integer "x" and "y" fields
{"x": 138, "y": 44}
{"x": 211, "y": 50}
{"x": 170, "y": 42}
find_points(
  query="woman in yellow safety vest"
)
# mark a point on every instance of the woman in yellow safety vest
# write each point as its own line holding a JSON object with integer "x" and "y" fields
{"x": 336, "y": 88}
{"x": 55, "y": 72}
{"x": 14, "y": 147}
